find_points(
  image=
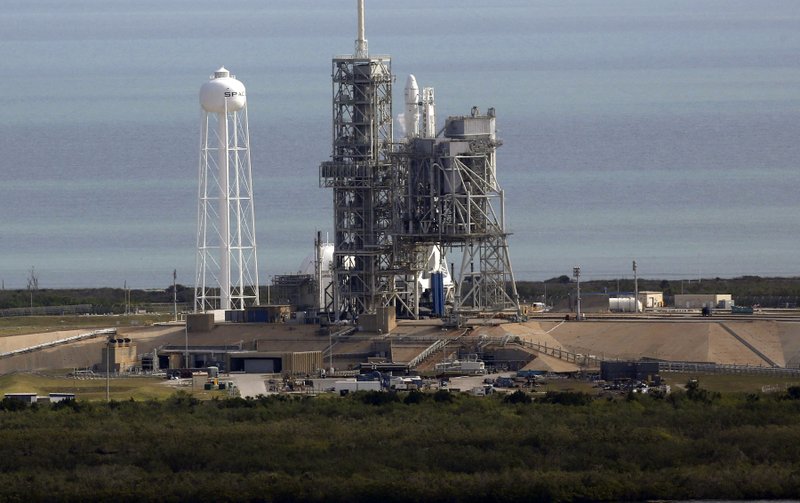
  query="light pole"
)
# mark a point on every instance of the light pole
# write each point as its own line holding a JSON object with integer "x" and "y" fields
{"x": 186, "y": 340}
{"x": 108, "y": 370}
{"x": 576, "y": 273}
{"x": 635, "y": 289}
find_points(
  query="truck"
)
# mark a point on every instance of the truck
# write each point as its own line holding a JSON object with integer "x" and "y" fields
{"x": 405, "y": 383}
{"x": 469, "y": 366}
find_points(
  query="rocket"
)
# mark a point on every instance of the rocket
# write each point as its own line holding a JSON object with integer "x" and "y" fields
{"x": 412, "y": 111}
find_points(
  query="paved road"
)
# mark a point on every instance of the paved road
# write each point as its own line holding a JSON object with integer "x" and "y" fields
{"x": 250, "y": 385}
{"x": 253, "y": 385}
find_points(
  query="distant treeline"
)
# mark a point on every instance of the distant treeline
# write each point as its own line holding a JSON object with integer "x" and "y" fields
{"x": 564, "y": 446}
{"x": 746, "y": 291}
{"x": 102, "y": 300}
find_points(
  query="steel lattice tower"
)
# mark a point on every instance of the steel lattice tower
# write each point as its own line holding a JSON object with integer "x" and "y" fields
{"x": 227, "y": 265}
{"x": 394, "y": 203}
{"x": 452, "y": 199}
{"x": 360, "y": 174}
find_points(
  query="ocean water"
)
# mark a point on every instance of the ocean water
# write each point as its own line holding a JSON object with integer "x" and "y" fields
{"x": 661, "y": 132}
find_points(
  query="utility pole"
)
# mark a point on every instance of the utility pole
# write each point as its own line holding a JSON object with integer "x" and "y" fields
{"x": 635, "y": 289}
{"x": 576, "y": 273}
{"x": 186, "y": 339}
{"x": 175, "y": 292}
{"x": 33, "y": 284}
{"x": 108, "y": 370}
{"x": 545, "y": 295}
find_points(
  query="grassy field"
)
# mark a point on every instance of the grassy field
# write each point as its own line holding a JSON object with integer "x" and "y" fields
{"x": 146, "y": 388}
{"x": 731, "y": 382}
{"x": 19, "y": 325}
{"x": 137, "y": 388}
{"x": 725, "y": 383}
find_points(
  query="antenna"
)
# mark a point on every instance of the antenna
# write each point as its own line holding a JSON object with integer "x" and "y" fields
{"x": 361, "y": 41}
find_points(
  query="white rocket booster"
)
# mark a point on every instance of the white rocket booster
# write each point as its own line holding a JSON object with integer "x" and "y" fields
{"x": 428, "y": 113}
{"x": 412, "y": 112}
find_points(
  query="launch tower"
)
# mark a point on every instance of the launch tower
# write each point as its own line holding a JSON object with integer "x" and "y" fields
{"x": 399, "y": 208}
{"x": 360, "y": 174}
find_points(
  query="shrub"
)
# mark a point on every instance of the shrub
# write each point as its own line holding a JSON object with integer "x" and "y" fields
{"x": 414, "y": 397}
{"x": 442, "y": 396}
{"x": 697, "y": 394}
{"x": 378, "y": 397}
{"x": 182, "y": 399}
{"x": 518, "y": 396}
{"x": 793, "y": 393}
{"x": 567, "y": 398}
{"x": 12, "y": 404}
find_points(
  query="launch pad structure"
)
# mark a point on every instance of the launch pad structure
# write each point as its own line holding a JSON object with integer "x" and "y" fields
{"x": 393, "y": 202}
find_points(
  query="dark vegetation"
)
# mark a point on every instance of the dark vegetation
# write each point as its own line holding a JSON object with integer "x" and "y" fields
{"x": 746, "y": 290}
{"x": 102, "y": 300}
{"x": 405, "y": 447}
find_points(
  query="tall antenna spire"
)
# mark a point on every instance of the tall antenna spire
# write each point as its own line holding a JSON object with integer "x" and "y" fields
{"x": 361, "y": 41}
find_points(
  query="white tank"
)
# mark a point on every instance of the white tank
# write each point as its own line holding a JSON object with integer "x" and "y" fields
{"x": 220, "y": 91}
{"x": 307, "y": 266}
{"x": 624, "y": 305}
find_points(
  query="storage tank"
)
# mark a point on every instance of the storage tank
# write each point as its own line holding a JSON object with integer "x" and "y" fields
{"x": 624, "y": 305}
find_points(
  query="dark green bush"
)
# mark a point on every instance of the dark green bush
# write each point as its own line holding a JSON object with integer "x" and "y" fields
{"x": 414, "y": 397}
{"x": 518, "y": 396}
{"x": 348, "y": 449}
{"x": 567, "y": 398}
{"x": 378, "y": 397}
{"x": 793, "y": 392}
{"x": 442, "y": 396}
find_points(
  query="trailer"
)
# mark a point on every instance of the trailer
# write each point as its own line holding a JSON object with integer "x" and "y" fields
{"x": 352, "y": 385}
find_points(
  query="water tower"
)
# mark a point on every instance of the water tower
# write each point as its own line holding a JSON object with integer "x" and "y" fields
{"x": 227, "y": 270}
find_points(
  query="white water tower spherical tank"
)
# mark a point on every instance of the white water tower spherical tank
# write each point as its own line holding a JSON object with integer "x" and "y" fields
{"x": 222, "y": 89}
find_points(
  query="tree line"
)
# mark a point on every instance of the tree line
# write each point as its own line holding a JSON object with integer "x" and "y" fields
{"x": 746, "y": 290}
{"x": 564, "y": 446}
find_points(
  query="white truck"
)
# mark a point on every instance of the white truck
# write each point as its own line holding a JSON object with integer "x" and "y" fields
{"x": 405, "y": 383}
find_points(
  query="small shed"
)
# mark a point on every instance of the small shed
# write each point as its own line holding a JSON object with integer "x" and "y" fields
{"x": 641, "y": 371}
{"x": 27, "y": 398}
{"x": 651, "y": 300}
{"x": 701, "y": 300}
{"x": 61, "y": 397}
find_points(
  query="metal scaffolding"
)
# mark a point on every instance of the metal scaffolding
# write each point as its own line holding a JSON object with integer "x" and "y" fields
{"x": 360, "y": 174}
{"x": 394, "y": 203}
{"x": 452, "y": 199}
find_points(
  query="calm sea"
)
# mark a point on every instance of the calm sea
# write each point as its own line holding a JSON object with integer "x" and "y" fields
{"x": 665, "y": 132}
